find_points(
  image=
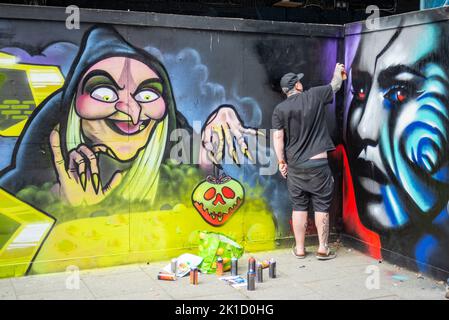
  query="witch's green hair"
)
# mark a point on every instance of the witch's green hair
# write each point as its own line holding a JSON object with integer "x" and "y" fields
{"x": 140, "y": 181}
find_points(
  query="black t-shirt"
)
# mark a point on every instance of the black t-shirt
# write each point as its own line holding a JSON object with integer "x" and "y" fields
{"x": 302, "y": 116}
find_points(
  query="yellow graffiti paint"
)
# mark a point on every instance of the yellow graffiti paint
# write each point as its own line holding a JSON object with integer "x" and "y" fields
{"x": 22, "y": 231}
{"x": 41, "y": 80}
{"x": 147, "y": 236}
{"x": 118, "y": 231}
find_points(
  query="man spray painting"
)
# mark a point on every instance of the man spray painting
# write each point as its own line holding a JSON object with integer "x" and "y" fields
{"x": 301, "y": 142}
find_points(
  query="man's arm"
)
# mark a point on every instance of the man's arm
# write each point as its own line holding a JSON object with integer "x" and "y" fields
{"x": 337, "y": 79}
{"x": 279, "y": 144}
{"x": 278, "y": 139}
{"x": 326, "y": 93}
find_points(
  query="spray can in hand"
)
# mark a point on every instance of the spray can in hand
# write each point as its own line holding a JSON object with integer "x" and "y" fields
{"x": 344, "y": 76}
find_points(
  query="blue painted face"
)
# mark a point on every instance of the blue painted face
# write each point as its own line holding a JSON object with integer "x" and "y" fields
{"x": 397, "y": 127}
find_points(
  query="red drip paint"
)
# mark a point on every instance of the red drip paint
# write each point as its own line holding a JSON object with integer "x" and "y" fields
{"x": 351, "y": 219}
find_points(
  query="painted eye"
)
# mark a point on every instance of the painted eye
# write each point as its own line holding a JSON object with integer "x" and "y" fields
{"x": 228, "y": 193}
{"x": 209, "y": 194}
{"x": 146, "y": 96}
{"x": 360, "y": 95}
{"x": 397, "y": 95}
{"x": 104, "y": 94}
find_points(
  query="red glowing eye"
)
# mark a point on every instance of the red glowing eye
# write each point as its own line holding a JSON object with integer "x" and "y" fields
{"x": 361, "y": 96}
{"x": 401, "y": 96}
{"x": 209, "y": 194}
{"x": 228, "y": 193}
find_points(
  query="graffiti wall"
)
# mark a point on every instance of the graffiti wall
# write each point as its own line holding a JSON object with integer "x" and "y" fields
{"x": 396, "y": 137}
{"x": 121, "y": 143}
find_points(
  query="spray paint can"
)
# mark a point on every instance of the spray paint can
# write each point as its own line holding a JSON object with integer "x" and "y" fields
{"x": 259, "y": 273}
{"x": 194, "y": 276}
{"x": 174, "y": 264}
{"x": 251, "y": 280}
{"x": 219, "y": 270}
{"x": 251, "y": 264}
{"x": 265, "y": 264}
{"x": 166, "y": 276}
{"x": 272, "y": 268}
{"x": 234, "y": 266}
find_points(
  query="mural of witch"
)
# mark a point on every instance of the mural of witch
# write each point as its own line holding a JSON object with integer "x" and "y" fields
{"x": 116, "y": 105}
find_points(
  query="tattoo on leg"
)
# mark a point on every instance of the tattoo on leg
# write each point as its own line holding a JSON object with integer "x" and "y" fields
{"x": 325, "y": 232}
{"x": 305, "y": 226}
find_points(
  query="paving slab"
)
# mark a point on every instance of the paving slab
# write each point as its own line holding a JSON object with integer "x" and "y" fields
{"x": 69, "y": 294}
{"x": 208, "y": 286}
{"x": 237, "y": 295}
{"x": 298, "y": 279}
{"x": 282, "y": 288}
{"x": 7, "y": 291}
{"x": 148, "y": 295}
{"x": 36, "y": 284}
{"x": 123, "y": 283}
{"x": 346, "y": 288}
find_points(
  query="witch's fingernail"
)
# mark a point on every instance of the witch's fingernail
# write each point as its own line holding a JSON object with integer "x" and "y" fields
{"x": 218, "y": 156}
{"x": 213, "y": 158}
{"x": 111, "y": 154}
{"x": 83, "y": 180}
{"x": 96, "y": 182}
{"x": 234, "y": 157}
{"x": 260, "y": 133}
{"x": 248, "y": 155}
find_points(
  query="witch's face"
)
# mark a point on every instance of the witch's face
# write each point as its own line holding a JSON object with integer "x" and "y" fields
{"x": 398, "y": 128}
{"x": 119, "y": 100}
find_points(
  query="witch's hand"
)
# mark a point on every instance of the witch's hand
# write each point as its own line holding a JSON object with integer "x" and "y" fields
{"x": 79, "y": 183}
{"x": 224, "y": 124}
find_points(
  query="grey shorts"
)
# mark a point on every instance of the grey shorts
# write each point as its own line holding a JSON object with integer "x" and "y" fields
{"x": 315, "y": 184}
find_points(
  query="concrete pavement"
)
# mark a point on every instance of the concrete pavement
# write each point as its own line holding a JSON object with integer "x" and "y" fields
{"x": 352, "y": 275}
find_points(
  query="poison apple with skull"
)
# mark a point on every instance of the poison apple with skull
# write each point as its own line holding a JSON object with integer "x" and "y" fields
{"x": 217, "y": 198}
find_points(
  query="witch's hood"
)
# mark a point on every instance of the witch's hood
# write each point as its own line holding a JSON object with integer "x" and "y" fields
{"x": 101, "y": 43}
{"x": 32, "y": 163}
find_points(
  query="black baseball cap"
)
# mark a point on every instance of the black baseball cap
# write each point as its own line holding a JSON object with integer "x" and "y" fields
{"x": 289, "y": 80}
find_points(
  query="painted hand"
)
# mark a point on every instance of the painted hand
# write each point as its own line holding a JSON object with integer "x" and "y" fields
{"x": 223, "y": 125}
{"x": 80, "y": 183}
